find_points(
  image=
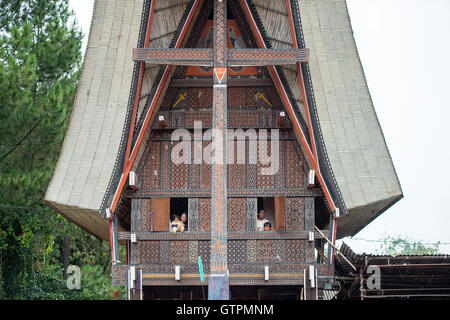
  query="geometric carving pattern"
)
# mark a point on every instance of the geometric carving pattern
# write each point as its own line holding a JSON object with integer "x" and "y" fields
{"x": 266, "y": 180}
{"x": 179, "y": 172}
{"x": 242, "y": 96}
{"x": 151, "y": 173}
{"x": 164, "y": 251}
{"x": 236, "y": 170}
{"x": 204, "y": 252}
{"x": 204, "y": 212}
{"x": 237, "y": 251}
{"x": 134, "y": 256}
{"x": 178, "y": 252}
{"x": 280, "y": 251}
{"x": 237, "y": 217}
{"x": 251, "y": 251}
{"x": 205, "y": 170}
{"x": 295, "y": 251}
{"x": 309, "y": 213}
{"x": 193, "y": 214}
{"x": 295, "y": 214}
{"x": 244, "y": 119}
{"x": 294, "y": 170}
{"x": 149, "y": 251}
{"x": 193, "y": 251}
{"x": 136, "y": 222}
{"x": 251, "y": 214}
{"x": 266, "y": 251}
{"x": 146, "y": 217}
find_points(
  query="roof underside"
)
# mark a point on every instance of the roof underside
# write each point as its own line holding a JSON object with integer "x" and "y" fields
{"x": 352, "y": 135}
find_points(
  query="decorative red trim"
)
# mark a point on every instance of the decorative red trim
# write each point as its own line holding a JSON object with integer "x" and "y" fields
{"x": 129, "y": 161}
{"x": 111, "y": 241}
{"x": 287, "y": 103}
{"x": 141, "y": 74}
{"x": 301, "y": 81}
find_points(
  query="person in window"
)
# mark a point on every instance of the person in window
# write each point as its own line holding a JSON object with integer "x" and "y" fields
{"x": 184, "y": 220}
{"x": 176, "y": 225}
{"x": 260, "y": 221}
{"x": 267, "y": 226}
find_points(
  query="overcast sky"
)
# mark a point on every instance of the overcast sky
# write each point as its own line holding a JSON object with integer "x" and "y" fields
{"x": 404, "y": 46}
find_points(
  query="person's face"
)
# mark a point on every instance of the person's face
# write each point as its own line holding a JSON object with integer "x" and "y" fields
{"x": 176, "y": 219}
{"x": 261, "y": 215}
{"x": 183, "y": 217}
{"x": 266, "y": 228}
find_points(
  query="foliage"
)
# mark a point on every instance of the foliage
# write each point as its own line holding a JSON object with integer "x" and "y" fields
{"x": 398, "y": 245}
{"x": 40, "y": 56}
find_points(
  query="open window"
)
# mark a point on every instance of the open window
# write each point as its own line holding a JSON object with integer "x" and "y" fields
{"x": 178, "y": 206}
{"x": 274, "y": 211}
{"x": 164, "y": 210}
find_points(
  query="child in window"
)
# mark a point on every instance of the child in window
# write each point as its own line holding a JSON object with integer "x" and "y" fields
{"x": 267, "y": 226}
{"x": 176, "y": 224}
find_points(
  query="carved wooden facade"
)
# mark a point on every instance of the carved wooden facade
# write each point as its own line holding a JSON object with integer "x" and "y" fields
{"x": 221, "y": 200}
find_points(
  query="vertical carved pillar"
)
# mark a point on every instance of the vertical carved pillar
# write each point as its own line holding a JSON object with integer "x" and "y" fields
{"x": 193, "y": 222}
{"x": 136, "y": 226}
{"x": 309, "y": 214}
{"x": 251, "y": 214}
{"x": 218, "y": 282}
{"x": 309, "y": 226}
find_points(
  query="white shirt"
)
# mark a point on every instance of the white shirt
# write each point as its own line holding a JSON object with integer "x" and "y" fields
{"x": 260, "y": 224}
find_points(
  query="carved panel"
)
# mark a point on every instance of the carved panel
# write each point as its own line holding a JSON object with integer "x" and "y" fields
{"x": 295, "y": 251}
{"x": 237, "y": 251}
{"x": 178, "y": 252}
{"x": 193, "y": 251}
{"x": 193, "y": 214}
{"x": 309, "y": 213}
{"x": 294, "y": 170}
{"x": 267, "y": 178}
{"x": 237, "y": 214}
{"x": 164, "y": 252}
{"x": 204, "y": 252}
{"x": 151, "y": 175}
{"x": 237, "y": 164}
{"x": 205, "y": 171}
{"x": 205, "y": 117}
{"x": 146, "y": 215}
{"x": 295, "y": 214}
{"x": 280, "y": 251}
{"x": 243, "y": 119}
{"x": 179, "y": 172}
{"x": 136, "y": 222}
{"x": 251, "y": 251}
{"x": 251, "y": 214}
{"x": 204, "y": 211}
{"x": 266, "y": 251}
{"x": 149, "y": 251}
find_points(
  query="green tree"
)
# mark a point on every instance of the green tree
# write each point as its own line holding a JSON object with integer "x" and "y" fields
{"x": 398, "y": 245}
{"x": 40, "y": 56}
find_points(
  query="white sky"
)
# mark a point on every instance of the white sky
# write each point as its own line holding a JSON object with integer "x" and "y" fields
{"x": 404, "y": 46}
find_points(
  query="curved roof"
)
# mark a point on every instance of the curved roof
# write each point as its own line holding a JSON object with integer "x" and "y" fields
{"x": 352, "y": 136}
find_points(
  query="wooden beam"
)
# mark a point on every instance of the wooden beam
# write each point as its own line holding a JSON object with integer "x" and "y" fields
{"x": 179, "y": 57}
{"x": 266, "y": 57}
{"x": 218, "y": 282}
{"x": 236, "y": 57}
